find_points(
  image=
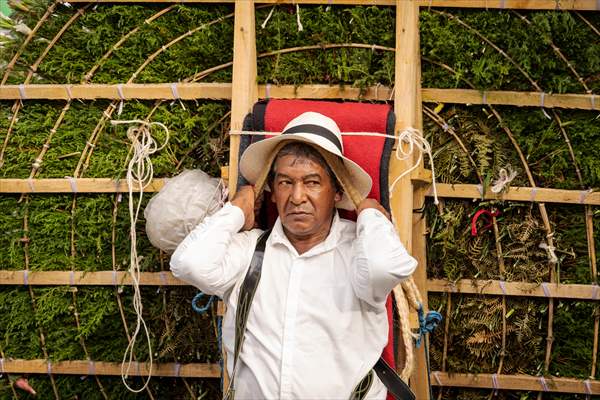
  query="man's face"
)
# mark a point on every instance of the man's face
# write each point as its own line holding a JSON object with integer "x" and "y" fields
{"x": 305, "y": 197}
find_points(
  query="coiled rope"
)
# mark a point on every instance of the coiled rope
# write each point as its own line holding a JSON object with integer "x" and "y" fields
{"x": 139, "y": 172}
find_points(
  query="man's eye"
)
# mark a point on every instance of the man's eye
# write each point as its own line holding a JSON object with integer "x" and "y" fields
{"x": 284, "y": 183}
{"x": 312, "y": 183}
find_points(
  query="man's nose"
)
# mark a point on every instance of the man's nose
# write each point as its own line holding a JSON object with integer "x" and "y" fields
{"x": 298, "y": 193}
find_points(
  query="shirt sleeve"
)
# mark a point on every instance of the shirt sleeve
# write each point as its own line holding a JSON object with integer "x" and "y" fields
{"x": 214, "y": 255}
{"x": 380, "y": 259}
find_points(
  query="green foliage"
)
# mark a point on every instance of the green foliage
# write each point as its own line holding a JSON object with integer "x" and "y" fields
{"x": 75, "y": 232}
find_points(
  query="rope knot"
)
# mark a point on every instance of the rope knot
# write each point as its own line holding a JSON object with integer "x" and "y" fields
{"x": 427, "y": 323}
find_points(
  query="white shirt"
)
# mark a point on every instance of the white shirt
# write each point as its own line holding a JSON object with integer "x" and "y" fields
{"x": 318, "y": 321}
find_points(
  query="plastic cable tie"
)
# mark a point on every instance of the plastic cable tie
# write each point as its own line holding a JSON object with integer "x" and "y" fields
{"x": 268, "y": 91}
{"x": 583, "y": 194}
{"x": 26, "y": 277}
{"x": 542, "y": 101}
{"x": 533, "y": 193}
{"x": 22, "y": 95}
{"x": 72, "y": 278}
{"x": 502, "y": 287}
{"x": 120, "y": 91}
{"x": 49, "y": 367}
{"x": 174, "y": 91}
{"x": 484, "y": 98}
{"x": 163, "y": 278}
{"x": 436, "y": 376}
{"x": 72, "y": 183}
{"x": 69, "y": 93}
{"x": 543, "y": 384}
{"x": 495, "y": 382}
{"x": 546, "y": 289}
{"x": 177, "y": 370}
{"x": 30, "y": 184}
{"x": 595, "y": 291}
{"x": 588, "y": 387}
{"x": 480, "y": 189}
{"x": 91, "y": 368}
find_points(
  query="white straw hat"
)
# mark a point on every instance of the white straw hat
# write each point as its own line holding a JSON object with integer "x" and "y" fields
{"x": 322, "y": 133}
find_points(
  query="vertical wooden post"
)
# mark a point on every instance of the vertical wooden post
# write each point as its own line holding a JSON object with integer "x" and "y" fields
{"x": 407, "y": 106}
{"x": 244, "y": 95}
{"x": 244, "y": 83}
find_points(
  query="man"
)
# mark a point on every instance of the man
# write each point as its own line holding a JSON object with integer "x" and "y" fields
{"x": 318, "y": 323}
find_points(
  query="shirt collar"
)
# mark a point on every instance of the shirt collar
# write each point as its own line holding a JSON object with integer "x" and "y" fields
{"x": 278, "y": 236}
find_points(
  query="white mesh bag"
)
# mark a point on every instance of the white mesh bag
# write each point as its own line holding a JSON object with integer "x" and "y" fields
{"x": 181, "y": 204}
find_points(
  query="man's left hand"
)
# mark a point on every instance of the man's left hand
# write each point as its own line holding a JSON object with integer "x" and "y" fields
{"x": 372, "y": 203}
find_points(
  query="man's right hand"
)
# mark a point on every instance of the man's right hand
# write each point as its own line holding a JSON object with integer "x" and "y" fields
{"x": 244, "y": 199}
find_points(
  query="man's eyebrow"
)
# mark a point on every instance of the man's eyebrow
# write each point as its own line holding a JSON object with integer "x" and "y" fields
{"x": 309, "y": 176}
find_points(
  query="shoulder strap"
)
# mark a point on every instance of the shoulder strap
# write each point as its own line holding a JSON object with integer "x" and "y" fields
{"x": 245, "y": 297}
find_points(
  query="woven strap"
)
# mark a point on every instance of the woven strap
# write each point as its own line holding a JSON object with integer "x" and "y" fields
{"x": 246, "y": 295}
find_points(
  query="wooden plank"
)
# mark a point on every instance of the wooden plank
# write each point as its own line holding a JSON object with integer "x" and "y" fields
{"x": 81, "y": 278}
{"x": 244, "y": 80}
{"x": 491, "y": 4}
{"x": 522, "y": 289}
{"x": 165, "y": 278}
{"x": 512, "y": 98}
{"x": 445, "y": 190}
{"x": 84, "y": 367}
{"x": 140, "y": 91}
{"x": 515, "y": 382}
{"x": 222, "y": 91}
{"x": 527, "y": 194}
{"x": 407, "y": 108}
{"x": 81, "y": 185}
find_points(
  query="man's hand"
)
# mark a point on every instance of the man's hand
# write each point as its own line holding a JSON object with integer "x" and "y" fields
{"x": 244, "y": 199}
{"x": 372, "y": 203}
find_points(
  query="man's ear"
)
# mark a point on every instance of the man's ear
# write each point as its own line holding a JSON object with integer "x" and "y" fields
{"x": 338, "y": 195}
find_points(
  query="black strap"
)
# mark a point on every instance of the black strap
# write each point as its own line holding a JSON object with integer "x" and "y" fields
{"x": 394, "y": 384}
{"x": 246, "y": 295}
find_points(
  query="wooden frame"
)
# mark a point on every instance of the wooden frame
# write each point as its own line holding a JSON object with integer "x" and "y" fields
{"x": 411, "y": 227}
{"x": 222, "y": 91}
{"x": 590, "y": 5}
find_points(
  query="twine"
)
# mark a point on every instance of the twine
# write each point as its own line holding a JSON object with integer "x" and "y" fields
{"x": 300, "y": 27}
{"x": 120, "y": 92}
{"x": 502, "y": 287}
{"x": 176, "y": 96}
{"x": 546, "y": 289}
{"x": 542, "y": 99}
{"x": 140, "y": 171}
{"x": 1, "y": 366}
{"x": 544, "y": 384}
{"x": 533, "y": 193}
{"x": 505, "y": 176}
{"x": 550, "y": 250}
{"x": 264, "y": 24}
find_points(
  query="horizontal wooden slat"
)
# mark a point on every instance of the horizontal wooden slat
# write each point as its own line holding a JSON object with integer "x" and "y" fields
{"x": 165, "y": 278}
{"x": 465, "y": 191}
{"x": 83, "y": 367}
{"x": 514, "y": 4}
{"x": 523, "y": 289}
{"x": 515, "y": 382}
{"x": 80, "y": 278}
{"x": 542, "y": 195}
{"x": 222, "y": 91}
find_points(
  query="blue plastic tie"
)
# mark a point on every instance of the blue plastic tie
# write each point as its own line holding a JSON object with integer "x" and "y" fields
{"x": 206, "y": 307}
{"x": 427, "y": 323}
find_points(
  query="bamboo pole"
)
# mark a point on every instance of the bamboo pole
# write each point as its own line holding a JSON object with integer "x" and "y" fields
{"x": 445, "y": 190}
{"x": 222, "y": 91}
{"x": 85, "y": 367}
{"x": 516, "y": 382}
{"x": 501, "y": 4}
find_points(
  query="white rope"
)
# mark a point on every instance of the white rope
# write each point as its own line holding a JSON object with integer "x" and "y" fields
{"x": 411, "y": 136}
{"x": 505, "y": 176}
{"x": 550, "y": 250}
{"x": 139, "y": 171}
{"x": 300, "y": 27}
{"x": 121, "y": 96}
{"x": 264, "y": 24}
